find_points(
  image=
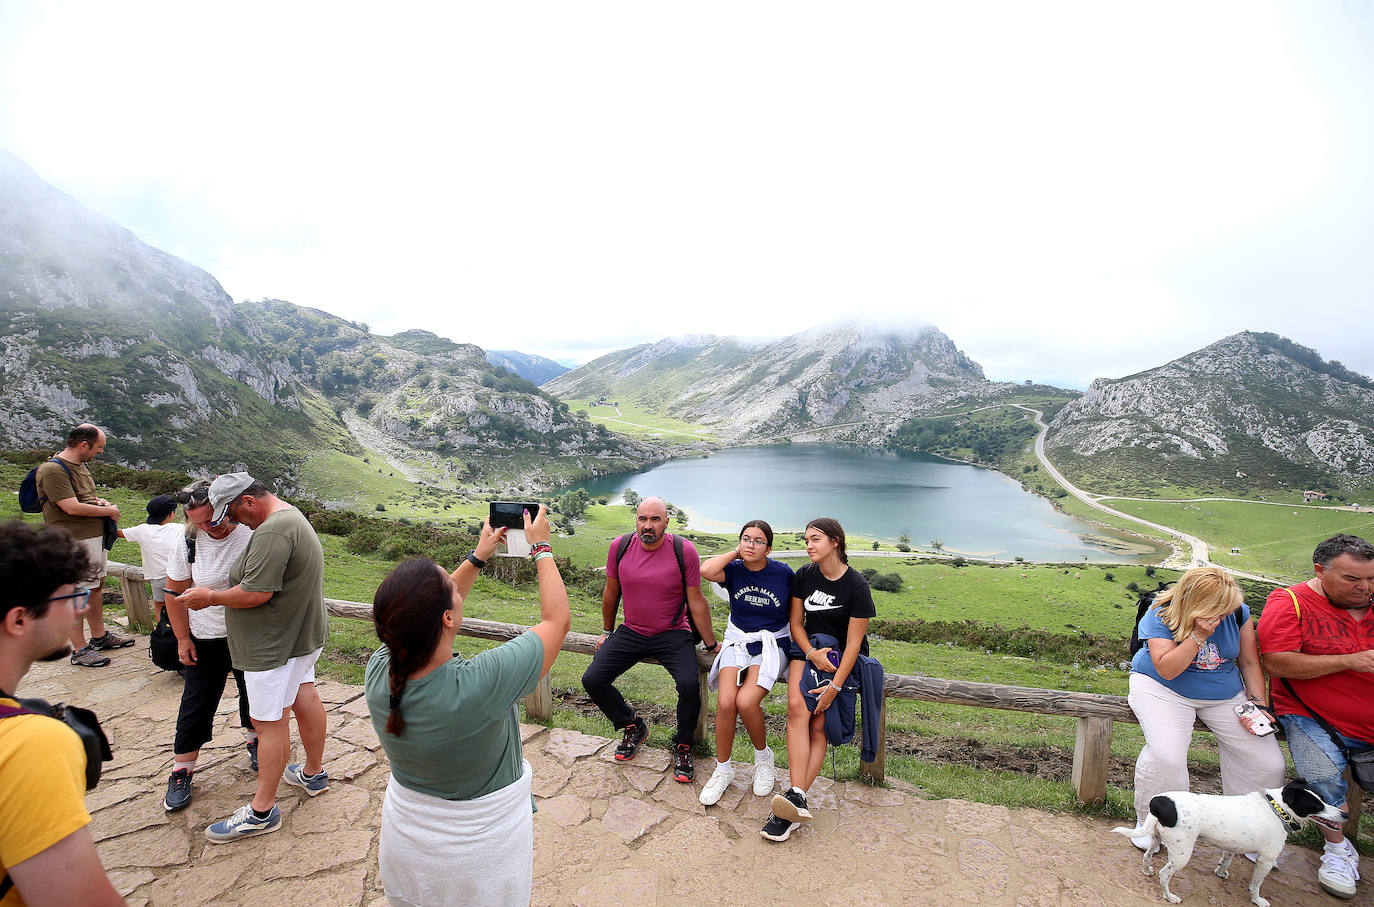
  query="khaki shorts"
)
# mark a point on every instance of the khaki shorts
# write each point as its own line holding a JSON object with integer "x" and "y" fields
{"x": 95, "y": 556}
{"x": 271, "y": 692}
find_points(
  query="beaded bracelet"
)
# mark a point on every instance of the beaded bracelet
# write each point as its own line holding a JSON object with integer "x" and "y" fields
{"x": 539, "y": 547}
{"x": 541, "y": 555}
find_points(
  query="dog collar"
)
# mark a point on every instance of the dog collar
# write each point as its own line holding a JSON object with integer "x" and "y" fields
{"x": 1290, "y": 822}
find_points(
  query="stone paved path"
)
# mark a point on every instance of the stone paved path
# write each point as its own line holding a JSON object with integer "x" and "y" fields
{"x": 606, "y": 833}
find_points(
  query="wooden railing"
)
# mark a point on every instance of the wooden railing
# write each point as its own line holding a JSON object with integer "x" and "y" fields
{"x": 1094, "y": 712}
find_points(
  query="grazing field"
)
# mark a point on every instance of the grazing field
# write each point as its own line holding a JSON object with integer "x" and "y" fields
{"x": 1273, "y": 539}
{"x": 634, "y": 419}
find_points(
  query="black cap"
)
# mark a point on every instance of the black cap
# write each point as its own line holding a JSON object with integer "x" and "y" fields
{"x": 160, "y": 506}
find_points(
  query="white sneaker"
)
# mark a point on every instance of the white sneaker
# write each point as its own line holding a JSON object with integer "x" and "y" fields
{"x": 765, "y": 774}
{"x": 719, "y": 781}
{"x": 1340, "y": 870}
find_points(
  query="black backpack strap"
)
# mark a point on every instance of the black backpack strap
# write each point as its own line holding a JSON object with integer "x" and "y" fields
{"x": 41, "y": 499}
{"x": 1326, "y": 726}
{"x": 682, "y": 570}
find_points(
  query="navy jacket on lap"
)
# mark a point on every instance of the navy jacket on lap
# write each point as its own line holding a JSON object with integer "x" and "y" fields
{"x": 864, "y": 683}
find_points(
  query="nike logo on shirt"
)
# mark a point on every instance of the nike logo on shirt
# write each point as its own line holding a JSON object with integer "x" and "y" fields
{"x": 820, "y": 601}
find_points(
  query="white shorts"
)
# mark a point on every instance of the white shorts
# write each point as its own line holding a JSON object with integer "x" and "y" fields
{"x": 271, "y": 692}
{"x": 739, "y": 657}
{"x": 95, "y": 558}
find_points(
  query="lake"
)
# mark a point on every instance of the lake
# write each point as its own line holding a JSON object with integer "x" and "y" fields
{"x": 878, "y": 494}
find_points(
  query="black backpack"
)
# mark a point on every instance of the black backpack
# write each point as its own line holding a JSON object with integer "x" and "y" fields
{"x": 162, "y": 642}
{"x": 1145, "y": 603}
{"x": 30, "y": 501}
{"x": 623, "y": 544}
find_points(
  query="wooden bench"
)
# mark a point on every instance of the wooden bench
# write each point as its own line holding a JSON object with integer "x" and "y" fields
{"x": 1094, "y": 712}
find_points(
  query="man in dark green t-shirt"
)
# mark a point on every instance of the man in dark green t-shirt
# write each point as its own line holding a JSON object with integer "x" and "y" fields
{"x": 277, "y": 625}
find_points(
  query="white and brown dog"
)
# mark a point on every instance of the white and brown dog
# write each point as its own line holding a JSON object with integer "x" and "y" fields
{"x": 1258, "y": 822}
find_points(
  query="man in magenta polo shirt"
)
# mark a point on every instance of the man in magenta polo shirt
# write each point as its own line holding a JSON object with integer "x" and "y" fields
{"x": 649, "y": 579}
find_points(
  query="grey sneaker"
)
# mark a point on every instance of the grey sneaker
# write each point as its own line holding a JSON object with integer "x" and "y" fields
{"x": 243, "y": 824}
{"x": 88, "y": 657}
{"x": 111, "y": 641}
{"x": 314, "y": 785}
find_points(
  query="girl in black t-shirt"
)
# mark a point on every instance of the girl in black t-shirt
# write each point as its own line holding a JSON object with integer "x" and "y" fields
{"x": 831, "y": 597}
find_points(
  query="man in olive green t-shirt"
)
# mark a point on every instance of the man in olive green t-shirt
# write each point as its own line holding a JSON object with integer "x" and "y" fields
{"x": 277, "y": 625}
{"x": 67, "y": 492}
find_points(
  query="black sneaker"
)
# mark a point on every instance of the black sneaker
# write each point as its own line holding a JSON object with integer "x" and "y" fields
{"x": 778, "y": 829}
{"x": 111, "y": 641}
{"x": 253, "y": 754}
{"x": 791, "y": 805}
{"x": 683, "y": 770}
{"x": 178, "y": 791}
{"x": 635, "y": 734}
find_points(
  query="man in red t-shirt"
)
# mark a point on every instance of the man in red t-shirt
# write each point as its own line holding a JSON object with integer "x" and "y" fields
{"x": 655, "y": 626}
{"x": 1319, "y": 637}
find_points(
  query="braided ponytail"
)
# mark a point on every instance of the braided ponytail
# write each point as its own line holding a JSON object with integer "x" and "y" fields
{"x": 408, "y": 613}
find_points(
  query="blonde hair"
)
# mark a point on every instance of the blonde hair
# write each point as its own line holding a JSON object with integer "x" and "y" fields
{"x": 1201, "y": 592}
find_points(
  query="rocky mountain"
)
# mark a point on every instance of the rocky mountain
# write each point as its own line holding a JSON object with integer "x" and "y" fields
{"x": 96, "y": 325}
{"x": 824, "y": 377}
{"x": 536, "y": 369}
{"x": 1251, "y": 410}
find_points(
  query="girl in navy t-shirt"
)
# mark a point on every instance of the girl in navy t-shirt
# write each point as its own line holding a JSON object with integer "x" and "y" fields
{"x": 754, "y": 653}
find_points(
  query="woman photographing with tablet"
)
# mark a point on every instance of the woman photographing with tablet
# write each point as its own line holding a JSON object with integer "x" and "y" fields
{"x": 457, "y": 819}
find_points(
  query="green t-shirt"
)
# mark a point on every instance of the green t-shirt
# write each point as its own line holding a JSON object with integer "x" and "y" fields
{"x": 57, "y": 484}
{"x": 283, "y": 557}
{"x": 462, "y": 735}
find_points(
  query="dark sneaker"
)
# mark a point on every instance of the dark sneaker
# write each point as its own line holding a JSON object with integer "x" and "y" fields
{"x": 253, "y": 754}
{"x": 778, "y": 829}
{"x": 178, "y": 791}
{"x": 88, "y": 657}
{"x": 111, "y": 641}
{"x": 243, "y": 824}
{"x": 683, "y": 770}
{"x": 635, "y": 734}
{"x": 791, "y": 805}
{"x": 314, "y": 785}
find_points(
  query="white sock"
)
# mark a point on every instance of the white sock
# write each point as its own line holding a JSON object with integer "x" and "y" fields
{"x": 726, "y": 767}
{"x": 759, "y": 754}
{"x": 189, "y": 766}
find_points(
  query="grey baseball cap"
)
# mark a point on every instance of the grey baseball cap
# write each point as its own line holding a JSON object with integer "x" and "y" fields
{"x": 223, "y": 490}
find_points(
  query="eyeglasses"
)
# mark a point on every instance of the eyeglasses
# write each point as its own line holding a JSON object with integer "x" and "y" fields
{"x": 83, "y": 594}
{"x": 754, "y": 543}
{"x": 230, "y": 512}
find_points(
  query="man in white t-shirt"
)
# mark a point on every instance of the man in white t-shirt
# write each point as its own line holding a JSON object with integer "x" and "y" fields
{"x": 154, "y": 539}
{"x": 202, "y": 640}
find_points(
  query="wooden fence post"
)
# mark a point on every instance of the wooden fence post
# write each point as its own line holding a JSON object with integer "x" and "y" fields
{"x": 876, "y": 771}
{"x": 135, "y": 592}
{"x": 1354, "y": 796}
{"x": 539, "y": 704}
{"x": 705, "y": 693}
{"x": 1092, "y": 748}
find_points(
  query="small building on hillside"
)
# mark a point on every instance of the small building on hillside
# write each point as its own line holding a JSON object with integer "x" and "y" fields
{"x": 1308, "y": 496}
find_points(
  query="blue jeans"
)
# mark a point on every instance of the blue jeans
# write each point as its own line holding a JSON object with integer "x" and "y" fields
{"x": 1317, "y": 758}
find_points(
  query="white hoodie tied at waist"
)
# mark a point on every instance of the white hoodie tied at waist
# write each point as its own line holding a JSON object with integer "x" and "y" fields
{"x": 735, "y": 638}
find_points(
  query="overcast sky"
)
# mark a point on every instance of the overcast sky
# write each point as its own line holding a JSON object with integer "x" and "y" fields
{"x": 1068, "y": 190}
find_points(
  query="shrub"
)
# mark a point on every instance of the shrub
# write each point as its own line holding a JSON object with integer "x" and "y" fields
{"x": 380, "y": 508}
{"x": 1109, "y": 577}
{"x": 886, "y": 582}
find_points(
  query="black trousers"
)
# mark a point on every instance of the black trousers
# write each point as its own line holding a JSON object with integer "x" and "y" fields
{"x": 622, "y": 650}
{"x": 200, "y": 697}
